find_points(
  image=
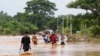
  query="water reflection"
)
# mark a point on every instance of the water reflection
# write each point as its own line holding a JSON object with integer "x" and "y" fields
{"x": 53, "y": 52}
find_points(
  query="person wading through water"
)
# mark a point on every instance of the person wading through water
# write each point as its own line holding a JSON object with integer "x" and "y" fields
{"x": 25, "y": 42}
{"x": 34, "y": 39}
{"x": 45, "y": 38}
{"x": 62, "y": 40}
{"x": 53, "y": 39}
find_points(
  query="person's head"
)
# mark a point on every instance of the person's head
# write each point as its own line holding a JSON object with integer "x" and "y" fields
{"x": 34, "y": 37}
{"x": 25, "y": 33}
{"x": 54, "y": 32}
{"x": 61, "y": 34}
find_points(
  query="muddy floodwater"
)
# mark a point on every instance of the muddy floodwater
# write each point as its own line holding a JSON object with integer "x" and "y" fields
{"x": 9, "y": 46}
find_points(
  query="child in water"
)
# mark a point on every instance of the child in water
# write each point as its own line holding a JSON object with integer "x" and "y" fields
{"x": 34, "y": 39}
{"x": 62, "y": 40}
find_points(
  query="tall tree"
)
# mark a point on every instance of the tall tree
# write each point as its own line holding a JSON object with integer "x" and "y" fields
{"x": 92, "y": 5}
{"x": 92, "y": 16}
{"x": 40, "y": 11}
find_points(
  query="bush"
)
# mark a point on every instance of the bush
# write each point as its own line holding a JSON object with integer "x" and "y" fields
{"x": 94, "y": 30}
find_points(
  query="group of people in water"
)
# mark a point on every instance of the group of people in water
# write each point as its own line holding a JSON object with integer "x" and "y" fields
{"x": 48, "y": 37}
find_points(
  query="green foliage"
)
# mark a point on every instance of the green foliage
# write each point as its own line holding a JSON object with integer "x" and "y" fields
{"x": 40, "y": 12}
{"x": 38, "y": 15}
{"x": 43, "y": 7}
{"x": 68, "y": 20}
{"x": 94, "y": 31}
{"x": 10, "y": 25}
{"x": 90, "y": 19}
{"x": 67, "y": 30}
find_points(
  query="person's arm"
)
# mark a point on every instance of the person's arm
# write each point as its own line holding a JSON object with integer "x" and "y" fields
{"x": 29, "y": 43}
{"x": 21, "y": 43}
{"x": 21, "y": 46}
{"x": 30, "y": 46}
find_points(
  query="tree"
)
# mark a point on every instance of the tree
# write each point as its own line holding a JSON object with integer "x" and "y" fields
{"x": 92, "y": 5}
{"x": 21, "y": 17}
{"x": 4, "y": 17}
{"x": 92, "y": 16}
{"x": 40, "y": 11}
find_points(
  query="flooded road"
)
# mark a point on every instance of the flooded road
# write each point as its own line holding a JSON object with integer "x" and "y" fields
{"x": 9, "y": 46}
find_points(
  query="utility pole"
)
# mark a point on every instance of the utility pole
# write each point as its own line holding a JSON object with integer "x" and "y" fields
{"x": 85, "y": 30}
{"x": 67, "y": 21}
{"x": 71, "y": 25}
{"x": 63, "y": 25}
{"x": 57, "y": 25}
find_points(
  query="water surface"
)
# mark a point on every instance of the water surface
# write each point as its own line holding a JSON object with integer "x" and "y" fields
{"x": 9, "y": 46}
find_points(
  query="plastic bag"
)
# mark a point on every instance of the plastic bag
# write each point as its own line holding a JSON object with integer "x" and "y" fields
{"x": 21, "y": 51}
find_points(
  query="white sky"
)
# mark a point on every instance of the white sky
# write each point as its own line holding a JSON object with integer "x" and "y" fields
{"x": 14, "y": 6}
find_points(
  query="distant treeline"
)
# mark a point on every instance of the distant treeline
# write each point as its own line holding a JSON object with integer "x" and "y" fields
{"x": 39, "y": 15}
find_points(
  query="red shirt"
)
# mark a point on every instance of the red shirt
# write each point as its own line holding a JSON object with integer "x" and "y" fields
{"x": 53, "y": 38}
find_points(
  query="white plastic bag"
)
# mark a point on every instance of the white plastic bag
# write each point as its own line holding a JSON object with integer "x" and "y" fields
{"x": 21, "y": 51}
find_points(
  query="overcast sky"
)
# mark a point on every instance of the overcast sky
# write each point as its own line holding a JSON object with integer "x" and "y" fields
{"x": 14, "y": 6}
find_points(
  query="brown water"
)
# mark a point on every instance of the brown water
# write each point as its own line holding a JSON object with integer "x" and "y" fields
{"x": 9, "y": 46}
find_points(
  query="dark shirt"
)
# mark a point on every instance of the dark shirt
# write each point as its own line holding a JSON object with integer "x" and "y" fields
{"x": 25, "y": 40}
